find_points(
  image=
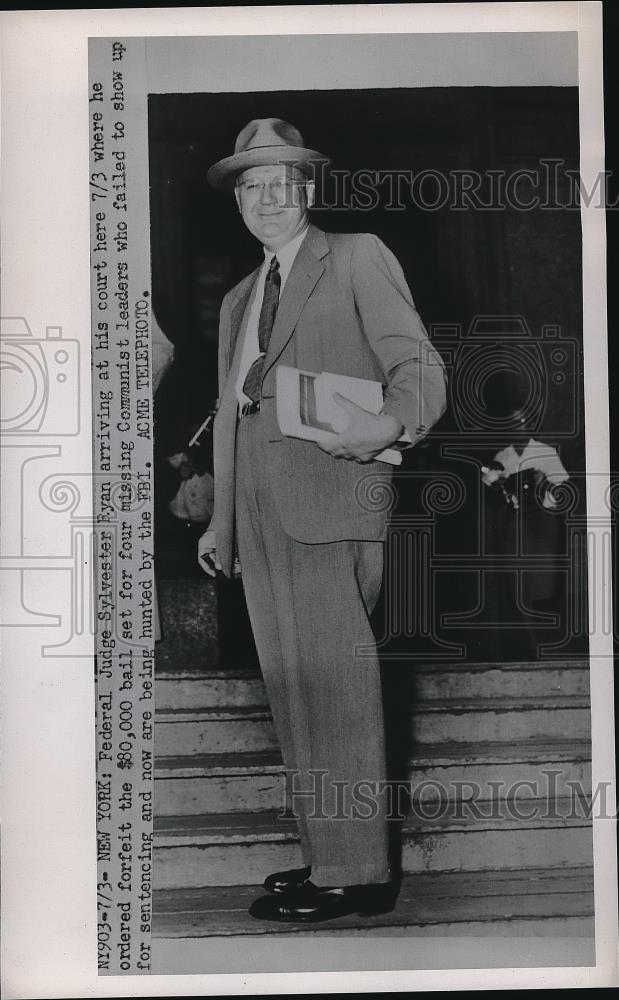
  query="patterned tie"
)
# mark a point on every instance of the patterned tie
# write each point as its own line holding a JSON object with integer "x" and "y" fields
{"x": 270, "y": 302}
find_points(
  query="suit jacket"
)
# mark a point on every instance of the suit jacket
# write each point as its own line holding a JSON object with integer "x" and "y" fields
{"x": 345, "y": 308}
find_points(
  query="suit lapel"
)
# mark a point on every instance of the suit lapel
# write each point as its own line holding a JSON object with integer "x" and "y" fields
{"x": 306, "y": 271}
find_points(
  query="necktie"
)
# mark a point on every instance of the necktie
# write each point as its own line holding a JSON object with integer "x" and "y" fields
{"x": 270, "y": 302}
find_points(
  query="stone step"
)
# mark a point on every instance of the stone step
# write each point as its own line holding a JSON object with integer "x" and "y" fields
{"x": 253, "y": 781}
{"x": 527, "y": 902}
{"x": 188, "y": 732}
{"x": 240, "y": 849}
{"x": 216, "y": 783}
{"x": 210, "y": 689}
{"x": 217, "y": 730}
{"x": 442, "y": 720}
{"x": 204, "y": 688}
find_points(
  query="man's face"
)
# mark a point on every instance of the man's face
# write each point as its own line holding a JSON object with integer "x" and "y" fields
{"x": 273, "y": 201}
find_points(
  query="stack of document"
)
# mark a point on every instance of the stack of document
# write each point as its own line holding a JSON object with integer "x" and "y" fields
{"x": 306, "y": 408}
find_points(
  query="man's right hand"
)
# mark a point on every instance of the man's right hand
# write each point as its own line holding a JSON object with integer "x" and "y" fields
{"x": 207, "y": 552}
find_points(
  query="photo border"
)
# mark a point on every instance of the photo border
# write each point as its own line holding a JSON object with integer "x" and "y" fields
{"x": 49, "y": 863}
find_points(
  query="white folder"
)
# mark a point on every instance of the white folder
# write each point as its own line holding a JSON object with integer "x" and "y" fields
{"x": 306, "y": 408}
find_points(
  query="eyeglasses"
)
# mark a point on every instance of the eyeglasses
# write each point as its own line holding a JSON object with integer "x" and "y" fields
{"x": 276, "y": 186}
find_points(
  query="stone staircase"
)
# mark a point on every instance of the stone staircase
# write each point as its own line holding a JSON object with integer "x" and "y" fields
{"x": 513, "y": 857}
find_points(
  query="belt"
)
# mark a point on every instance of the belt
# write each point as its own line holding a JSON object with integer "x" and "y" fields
{"x": 248, "y": 408}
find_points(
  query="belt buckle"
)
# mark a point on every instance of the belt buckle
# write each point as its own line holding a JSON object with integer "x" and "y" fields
{"x": 248, "y": 408}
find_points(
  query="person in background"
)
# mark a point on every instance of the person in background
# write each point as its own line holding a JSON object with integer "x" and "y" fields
{"x": 183, "y": 467}
{"x": 523, "y": 518}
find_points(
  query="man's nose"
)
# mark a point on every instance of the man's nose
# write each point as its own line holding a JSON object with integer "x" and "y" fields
{"x": 266, "y": 195}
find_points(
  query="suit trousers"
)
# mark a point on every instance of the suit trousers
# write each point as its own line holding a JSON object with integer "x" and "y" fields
{"x": 309, "y": 607}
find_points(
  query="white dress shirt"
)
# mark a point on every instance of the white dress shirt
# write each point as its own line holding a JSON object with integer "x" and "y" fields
{"x": 251, "y": 350}
{"x": 536, "y": 455}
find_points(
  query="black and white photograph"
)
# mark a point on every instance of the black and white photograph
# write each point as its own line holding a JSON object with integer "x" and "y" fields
{"x": 349, "y": 522}
{"x": 271, "y": 667}
{"x": 373, "y": 710}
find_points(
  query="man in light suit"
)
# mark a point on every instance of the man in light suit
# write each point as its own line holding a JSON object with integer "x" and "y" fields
{"x": 309, "y": 520}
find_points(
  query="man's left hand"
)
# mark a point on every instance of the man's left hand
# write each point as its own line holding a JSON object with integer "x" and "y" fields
{"x": 365, "y": 436}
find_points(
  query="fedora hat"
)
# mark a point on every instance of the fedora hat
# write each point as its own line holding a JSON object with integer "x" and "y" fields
{"x": 263, "y": 141}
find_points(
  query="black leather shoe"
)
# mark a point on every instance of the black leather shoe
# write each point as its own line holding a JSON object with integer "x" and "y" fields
{"x": 312, "y": 904}
{"x": 287, "y": 881}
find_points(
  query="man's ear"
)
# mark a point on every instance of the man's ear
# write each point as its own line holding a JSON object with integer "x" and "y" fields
{"x": 310, "y": 193}
{"x": 237, "y": 195}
